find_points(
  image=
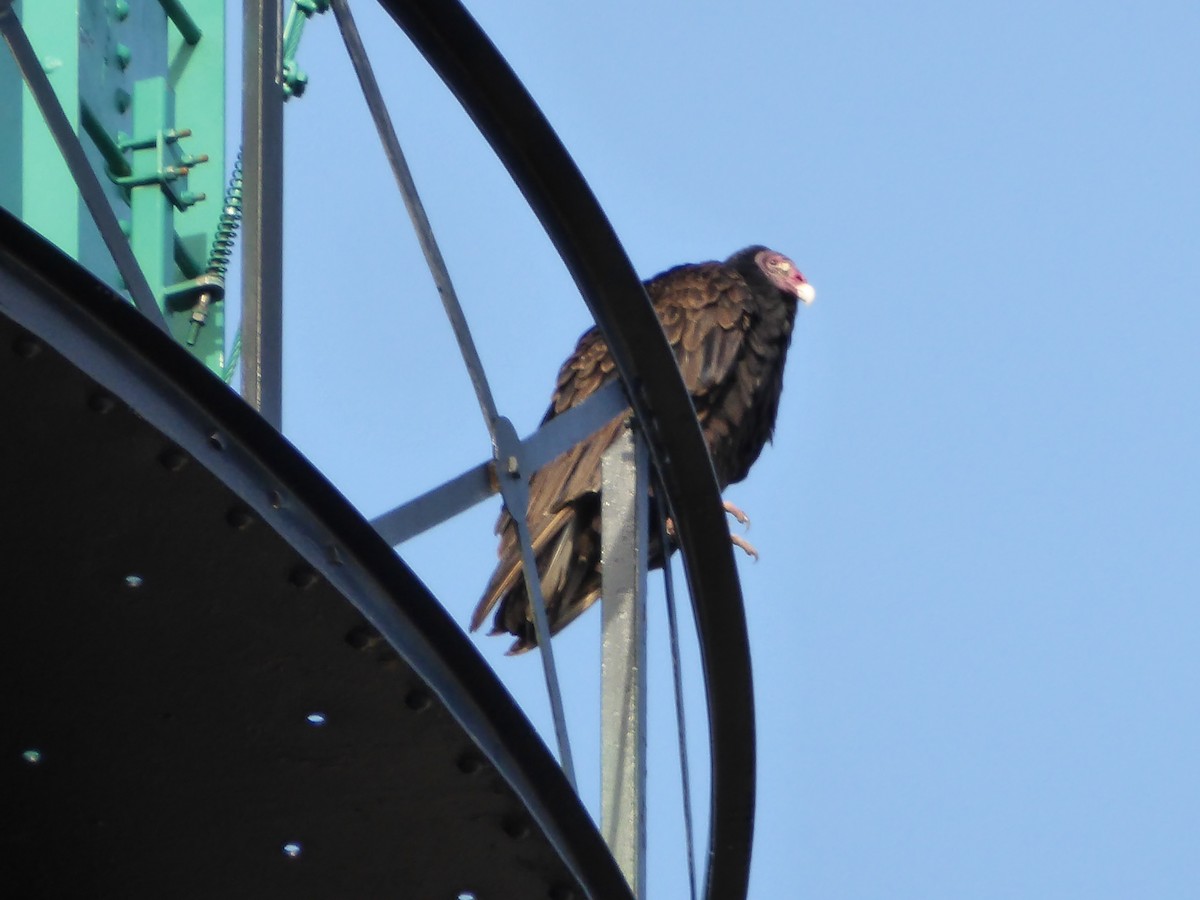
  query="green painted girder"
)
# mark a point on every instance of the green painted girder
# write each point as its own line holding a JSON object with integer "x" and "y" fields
{"x": 143, "y": 84}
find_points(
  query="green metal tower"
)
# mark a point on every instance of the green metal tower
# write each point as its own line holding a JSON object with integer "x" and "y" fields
{"x": 143, "y": 86}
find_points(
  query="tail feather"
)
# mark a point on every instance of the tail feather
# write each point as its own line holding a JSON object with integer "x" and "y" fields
{"x": 564, "y": 521}
{"x": 566, "y": 549}
{"x": 509, "y": 574}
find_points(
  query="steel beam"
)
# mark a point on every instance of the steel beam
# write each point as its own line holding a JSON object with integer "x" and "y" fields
{"x": 475, "y": 485}
{"x": 77, "y": 162}
{"x": 151, "y": 215}
{"x": 199, "y": 78}
{"x": 262, "y": 223}
{"x": 623, "y": 529}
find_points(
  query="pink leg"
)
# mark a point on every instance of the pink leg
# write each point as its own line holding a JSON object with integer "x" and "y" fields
{"x": 737, "y": 513}
{"x": 740, "y": 542}
{"x": 737, "y": 540}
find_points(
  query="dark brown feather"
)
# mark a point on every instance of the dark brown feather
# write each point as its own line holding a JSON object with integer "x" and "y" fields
{"x": 730, "y": 328}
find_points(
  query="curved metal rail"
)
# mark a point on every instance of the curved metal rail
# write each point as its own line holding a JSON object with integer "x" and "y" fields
{"x": 460, "y": 52}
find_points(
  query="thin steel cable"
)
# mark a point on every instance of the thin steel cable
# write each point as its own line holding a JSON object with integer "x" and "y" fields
{"x": 235, "y": 356}
{"x": 505, "y": 445}
{"x": 677, "y": 672}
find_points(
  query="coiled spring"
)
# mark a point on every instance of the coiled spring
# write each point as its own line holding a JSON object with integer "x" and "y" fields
{"x": 228, "y": 224}
{"x": 221, "y": 252}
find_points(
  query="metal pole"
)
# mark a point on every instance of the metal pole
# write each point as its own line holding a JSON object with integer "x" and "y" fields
{"x": 262, "y": 228}
{"x": 624, "y": 527}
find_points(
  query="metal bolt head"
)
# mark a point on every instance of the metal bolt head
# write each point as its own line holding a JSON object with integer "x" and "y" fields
{"x": 469, "y": 764}
{"x": 27, "y": 347}
{"x": 516, "y": 827}
{"x": 239, "y": 518}
{"x": 303, "y": 577}
{"x": 360, "y": 637}
{"x": 173, "y": 459}
{"x": 100, "y": 402}
{"x": 418, "y": 700}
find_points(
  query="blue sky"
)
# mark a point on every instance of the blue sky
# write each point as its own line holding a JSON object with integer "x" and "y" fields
{"x": 975, "y": 620}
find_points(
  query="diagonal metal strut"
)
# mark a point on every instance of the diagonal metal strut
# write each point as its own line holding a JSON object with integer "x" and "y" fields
{"x": 475, "y": 485}
{"x": 514, "y": 487}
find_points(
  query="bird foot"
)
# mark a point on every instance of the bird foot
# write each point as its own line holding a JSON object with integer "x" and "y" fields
{"x": 736, "y": 539}
{"x": 741, "y": 543}
{"x": 737, "y": 513}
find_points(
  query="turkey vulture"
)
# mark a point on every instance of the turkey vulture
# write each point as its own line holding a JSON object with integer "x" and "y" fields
{"x": 730, "y": 325}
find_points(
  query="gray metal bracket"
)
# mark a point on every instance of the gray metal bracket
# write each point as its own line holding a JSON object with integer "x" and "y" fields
{"x": 475, "y": 485}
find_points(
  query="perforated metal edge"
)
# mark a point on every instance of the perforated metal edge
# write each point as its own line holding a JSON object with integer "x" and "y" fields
{"x": 117, "y": 347}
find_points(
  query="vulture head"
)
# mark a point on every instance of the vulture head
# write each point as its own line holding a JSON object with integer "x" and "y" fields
{"x": 782, "y": 273}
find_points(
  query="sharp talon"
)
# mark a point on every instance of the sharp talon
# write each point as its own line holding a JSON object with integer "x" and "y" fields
{"x": 737, "y": 513}
{"x": 744, "y": 545}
